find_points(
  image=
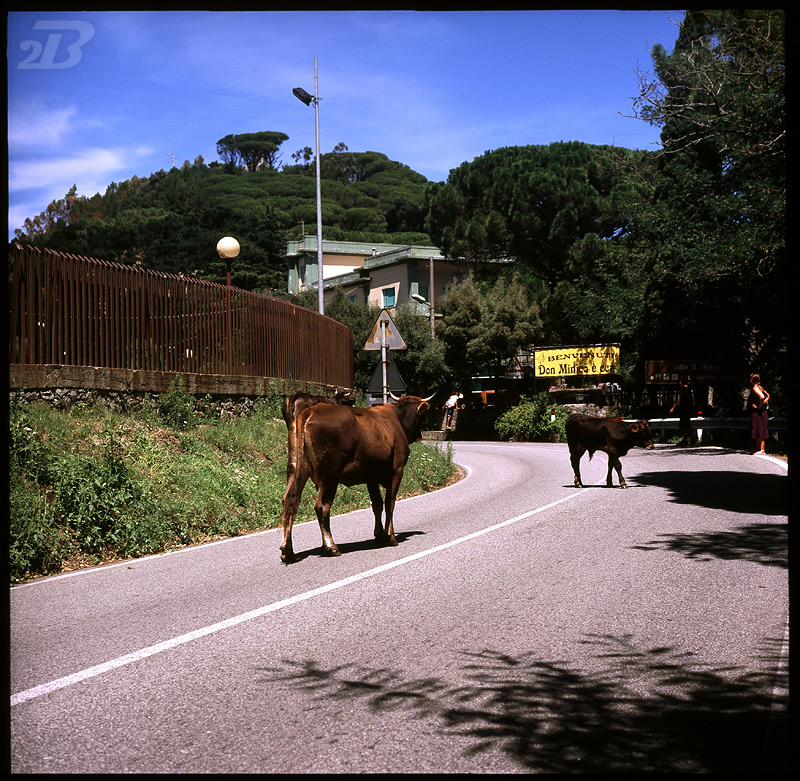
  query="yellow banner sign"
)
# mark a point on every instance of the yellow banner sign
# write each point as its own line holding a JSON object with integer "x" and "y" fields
{"x": 570, "y": 361}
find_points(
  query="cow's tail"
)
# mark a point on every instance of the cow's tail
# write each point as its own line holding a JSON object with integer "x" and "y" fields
{"x": 294, "y": 487}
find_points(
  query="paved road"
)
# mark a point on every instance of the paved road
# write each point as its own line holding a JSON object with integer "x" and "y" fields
{"x": 522, "y": 625}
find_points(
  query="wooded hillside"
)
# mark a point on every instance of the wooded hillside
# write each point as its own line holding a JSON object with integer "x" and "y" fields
{"x": 172, "y": 220}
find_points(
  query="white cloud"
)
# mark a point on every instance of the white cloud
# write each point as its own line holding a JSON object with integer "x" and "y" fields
{"x": 30, "y": 126}
{"x": 33, "y": 184}
{"x": 87, "y": 169}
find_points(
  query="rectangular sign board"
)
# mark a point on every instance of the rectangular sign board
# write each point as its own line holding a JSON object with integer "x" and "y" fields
{"x": 700, "y": 372}
{"x": 577, "y": 360}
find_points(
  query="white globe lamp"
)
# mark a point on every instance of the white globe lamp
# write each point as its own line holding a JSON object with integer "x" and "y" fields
{"x": 227, "y": 247}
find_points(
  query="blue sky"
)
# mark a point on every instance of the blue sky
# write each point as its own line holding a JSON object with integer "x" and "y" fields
{"x": 98, "y": 97}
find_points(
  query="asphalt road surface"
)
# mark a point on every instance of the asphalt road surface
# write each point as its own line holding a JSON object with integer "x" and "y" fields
{"x": 521, "y": 625}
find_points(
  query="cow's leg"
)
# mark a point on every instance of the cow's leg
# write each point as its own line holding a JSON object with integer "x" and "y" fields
{"x": 575, "y": 455}
{"x": 322, "y": 507}
{"x": 377, "y": 508}
{"x": 391, "y": 495}
{"x": 291, "y": 501}
{"x": 614, "y": 463}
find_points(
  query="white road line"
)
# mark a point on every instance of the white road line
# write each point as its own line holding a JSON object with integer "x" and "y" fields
{"x": 166, "y": 645}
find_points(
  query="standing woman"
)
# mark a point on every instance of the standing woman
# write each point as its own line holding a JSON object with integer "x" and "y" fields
{"x": 758, "y": 407}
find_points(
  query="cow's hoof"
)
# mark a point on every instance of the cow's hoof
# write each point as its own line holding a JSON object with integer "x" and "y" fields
{"x": 287, "y": 557}
{"x": 623, "y": 485}
{"x": 334, "y": 551}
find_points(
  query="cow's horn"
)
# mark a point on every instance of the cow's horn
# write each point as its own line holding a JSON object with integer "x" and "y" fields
{"x": 430, "y": 397}
{"x": 396, "y": 398}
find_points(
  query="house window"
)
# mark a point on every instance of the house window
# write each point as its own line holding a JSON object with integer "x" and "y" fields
{"x": 388, "y": 296}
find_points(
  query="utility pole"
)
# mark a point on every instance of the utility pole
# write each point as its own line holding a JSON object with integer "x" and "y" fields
{"x": 430, "y": 296}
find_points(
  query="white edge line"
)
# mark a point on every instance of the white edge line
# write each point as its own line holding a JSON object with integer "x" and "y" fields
{"x": 166, "y": 645}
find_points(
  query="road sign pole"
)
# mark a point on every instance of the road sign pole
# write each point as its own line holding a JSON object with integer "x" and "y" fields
{"x": 383, "y": 361}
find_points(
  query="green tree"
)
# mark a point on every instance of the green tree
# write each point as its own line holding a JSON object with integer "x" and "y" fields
{"x": 529, "y": 203}
{"x": 253, "y": 151}
{"x": 486, "y": 323}
{"x": 717, "y": 224}
{"x": 57, "y": 213}
{"x": 554, "y": 211}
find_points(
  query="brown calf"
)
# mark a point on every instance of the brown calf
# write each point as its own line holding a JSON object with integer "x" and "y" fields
{"x": 613, "y": 436}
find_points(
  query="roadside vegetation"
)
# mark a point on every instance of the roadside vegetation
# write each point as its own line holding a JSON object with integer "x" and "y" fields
{"x": 89, "y": 485}
{"x": 534, "y": 419}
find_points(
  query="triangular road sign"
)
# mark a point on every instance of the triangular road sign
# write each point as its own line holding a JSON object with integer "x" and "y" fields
{"x": 394, "y": 382}
{"x": 393, "y": 339}
{"x": 514, "y": 369}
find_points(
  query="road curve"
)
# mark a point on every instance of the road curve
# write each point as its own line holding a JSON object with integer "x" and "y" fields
{"x": 522, "y": 625}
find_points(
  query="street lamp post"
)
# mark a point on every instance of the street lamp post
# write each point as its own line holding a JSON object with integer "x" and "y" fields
{"x": 301, "y": 94}
{"x": 420, "y": 299}
{"x": 228, "y": 249}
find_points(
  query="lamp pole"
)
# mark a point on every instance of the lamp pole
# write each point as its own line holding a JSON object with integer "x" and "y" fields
{"x": 228, "y": 249}
{"x": 301, "y": 94}
{"x": 430, "y": 295}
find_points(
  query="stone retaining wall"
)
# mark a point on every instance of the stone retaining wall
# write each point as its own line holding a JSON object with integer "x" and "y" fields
{"x": 129, "y": 389}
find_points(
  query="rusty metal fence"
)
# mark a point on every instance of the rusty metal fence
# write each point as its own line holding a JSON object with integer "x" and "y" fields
{"x": 71, "y": 310}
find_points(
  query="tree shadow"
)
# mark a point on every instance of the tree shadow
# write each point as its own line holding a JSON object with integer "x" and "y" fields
{"x": 742, "y": 492}
{"x": 760, "y": 543}
{"x": 630, "y": 709}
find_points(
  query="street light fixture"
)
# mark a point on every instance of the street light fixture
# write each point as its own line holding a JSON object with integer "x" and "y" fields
{"x": 301, "y": 94}
{"x": 422, "y": 300}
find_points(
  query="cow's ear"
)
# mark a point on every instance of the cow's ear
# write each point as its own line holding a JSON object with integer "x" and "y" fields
{"x": 635, "y": 427}
{"x": 423, "y": 406}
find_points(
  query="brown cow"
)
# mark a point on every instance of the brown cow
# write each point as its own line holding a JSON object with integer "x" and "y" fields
{"x": 293, "y": 405}
{"x": 613, "y": 436}
{"x": 350, "y": 446}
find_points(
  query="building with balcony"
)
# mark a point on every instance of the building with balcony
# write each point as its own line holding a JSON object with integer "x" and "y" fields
{"x": 383, "y": 275}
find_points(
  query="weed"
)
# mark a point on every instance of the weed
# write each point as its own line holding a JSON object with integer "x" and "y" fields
{"x": 176, "y": 407}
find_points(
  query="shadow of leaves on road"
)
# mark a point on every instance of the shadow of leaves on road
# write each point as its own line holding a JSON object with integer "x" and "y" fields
{"x": 760, "y": 543}
{"x": 651, "y": 710}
